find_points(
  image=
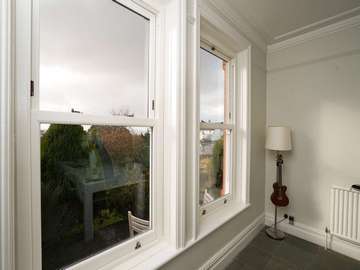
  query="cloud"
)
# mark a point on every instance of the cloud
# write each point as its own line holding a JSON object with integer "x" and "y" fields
{"x": 211, "y": 88}
{"x": 93, "y": 57}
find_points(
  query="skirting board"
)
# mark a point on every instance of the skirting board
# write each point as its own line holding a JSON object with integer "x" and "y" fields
{"x": 317, "y": 237}
{"x": 224, "y": 256}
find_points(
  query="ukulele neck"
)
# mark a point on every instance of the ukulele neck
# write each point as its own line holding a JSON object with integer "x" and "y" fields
{"x": 279, "y": 163}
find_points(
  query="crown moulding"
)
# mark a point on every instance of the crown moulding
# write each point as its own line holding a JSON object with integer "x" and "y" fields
{"x": 315, "y": 34}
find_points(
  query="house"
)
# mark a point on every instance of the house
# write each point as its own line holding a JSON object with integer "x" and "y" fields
{"x": 179, "y": 134}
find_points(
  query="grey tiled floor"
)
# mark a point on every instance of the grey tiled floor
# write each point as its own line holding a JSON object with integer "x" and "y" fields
{"x": 291, "y": 254}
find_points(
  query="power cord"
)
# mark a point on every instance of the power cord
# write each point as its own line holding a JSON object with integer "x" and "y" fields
{"x": 284, "y": 218}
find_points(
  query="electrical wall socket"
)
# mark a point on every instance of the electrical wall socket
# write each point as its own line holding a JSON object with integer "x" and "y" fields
{"x": 291, "y": 220}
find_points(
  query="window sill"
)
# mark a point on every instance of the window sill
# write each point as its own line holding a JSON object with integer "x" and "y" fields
{"x": 152, "y": 258}
{"x": 160, "y": 253}
{"x": 211, "y": 222}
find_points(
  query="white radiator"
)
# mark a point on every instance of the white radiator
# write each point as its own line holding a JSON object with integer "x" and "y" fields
{"x": 345, "y": 214}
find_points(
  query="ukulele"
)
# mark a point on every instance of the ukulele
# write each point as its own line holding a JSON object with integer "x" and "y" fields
{"x": 278, "y": 197}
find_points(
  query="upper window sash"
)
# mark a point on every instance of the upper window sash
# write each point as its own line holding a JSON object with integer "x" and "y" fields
{"x": 147, "y": 14}
{"x": 228, "y": 95}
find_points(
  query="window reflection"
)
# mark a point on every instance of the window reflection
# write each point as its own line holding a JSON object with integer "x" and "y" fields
{"x": 213, "y": 165}
{"x": 91, "y": 177}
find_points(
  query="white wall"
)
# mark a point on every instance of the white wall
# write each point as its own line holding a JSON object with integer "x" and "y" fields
{"x": 198, "y": 254}
{"x": 314, "y": 88}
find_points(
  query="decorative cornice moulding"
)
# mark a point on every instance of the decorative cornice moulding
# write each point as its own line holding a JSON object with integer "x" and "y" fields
{"x": 218, "y": 21}
{"x": 315, "y": 34}
{"x": 238, "y": 22}
{"x": 318, "y": 24}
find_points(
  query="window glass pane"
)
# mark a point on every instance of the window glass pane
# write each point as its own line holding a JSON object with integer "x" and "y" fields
{"x": 91, "y": 176}
{"x": 93, "y": 58}
{"x": 214, "y": 164}
{"x": 213, "y": 90}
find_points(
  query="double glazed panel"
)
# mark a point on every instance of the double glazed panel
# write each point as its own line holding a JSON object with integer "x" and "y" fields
{"x": 91, "y": 177}
{"x": 213, "y": 88}
{"x": 94, "y": 58}
{"x": 214, "y": 163}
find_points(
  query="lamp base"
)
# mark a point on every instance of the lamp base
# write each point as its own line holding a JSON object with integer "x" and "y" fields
{"x": 275, "y": 234}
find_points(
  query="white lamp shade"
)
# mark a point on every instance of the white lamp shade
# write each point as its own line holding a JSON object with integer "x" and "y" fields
{"x": 278, "y": 138}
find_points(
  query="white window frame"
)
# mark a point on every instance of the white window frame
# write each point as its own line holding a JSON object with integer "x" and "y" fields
{"x": 7, "y": 141}
{"x": 224, "y": 208}
{"x": 180, "y": 223}
{"x": 31, "y": 202}
{"x": 227, "y": 125}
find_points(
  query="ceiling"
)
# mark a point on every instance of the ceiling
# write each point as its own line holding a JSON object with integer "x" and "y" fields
{"x": 277, "y": 20}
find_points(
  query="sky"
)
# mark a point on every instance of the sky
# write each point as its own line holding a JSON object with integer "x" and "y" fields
{"x": 86, "y": 63}
{"x": 211, "y": 88}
